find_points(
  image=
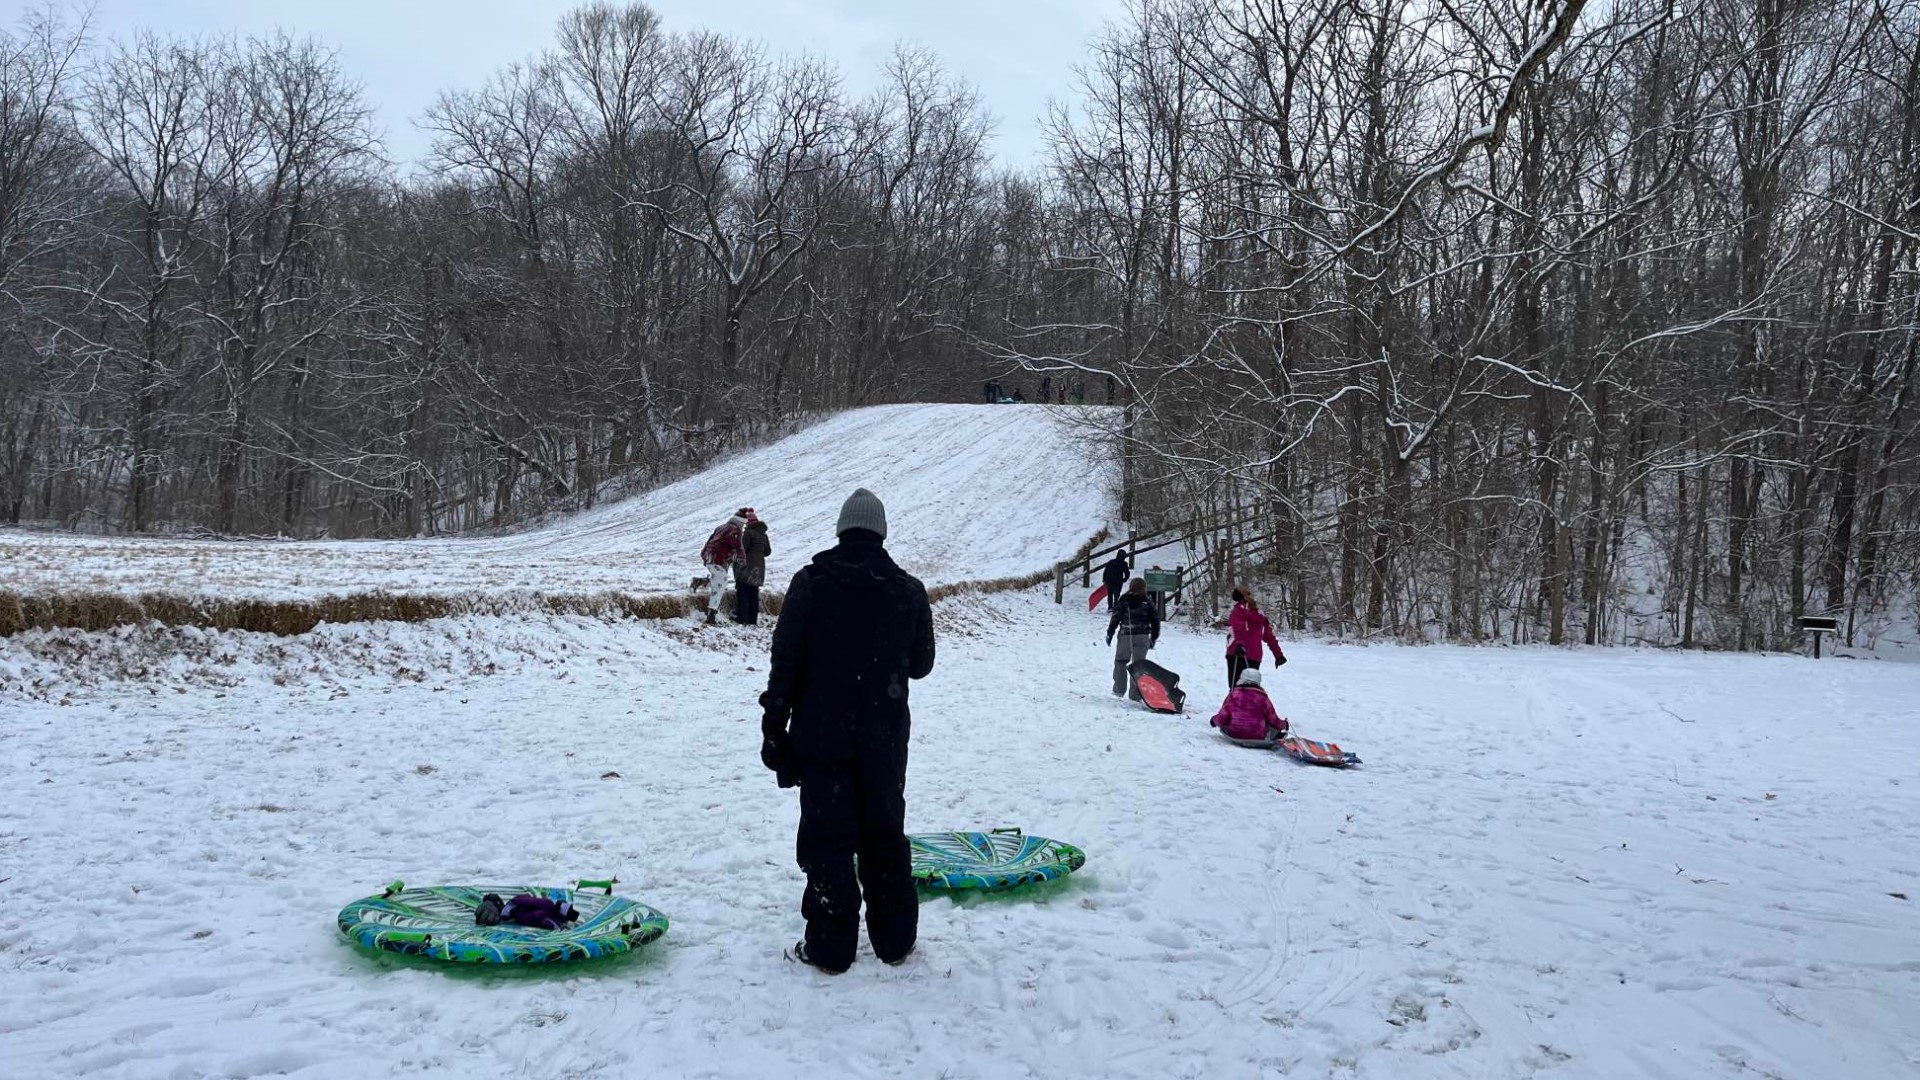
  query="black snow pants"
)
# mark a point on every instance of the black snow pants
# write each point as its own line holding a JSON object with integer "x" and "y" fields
{"x": 1237, "y": 662}
{"x": 850, "y": 808}
{"x": 746, "y": 604}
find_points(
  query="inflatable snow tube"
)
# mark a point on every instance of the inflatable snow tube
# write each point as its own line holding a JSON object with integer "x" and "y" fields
{"x": 1001, "y": 859}
{"x": 438, "y": 922}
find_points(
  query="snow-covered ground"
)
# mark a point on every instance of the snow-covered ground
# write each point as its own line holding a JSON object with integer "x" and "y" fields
{"x": 1598, "y": 863}
{"x": 972, "y": 493}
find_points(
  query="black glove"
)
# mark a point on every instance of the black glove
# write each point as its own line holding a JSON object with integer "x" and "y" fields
{"x": 1109, "y": 639}
{"x": 1279, "y": 659}
{"x": 776, "y": 753}
{"x": 488, "y": 913}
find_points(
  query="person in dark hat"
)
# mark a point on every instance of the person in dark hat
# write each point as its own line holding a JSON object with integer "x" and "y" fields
{"x": 854, "y": 630}
{"x": 750, "y": 569}
{"x": 1114, "y": 577}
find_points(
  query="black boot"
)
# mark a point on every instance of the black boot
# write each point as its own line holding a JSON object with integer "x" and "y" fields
{"x": 798, "y": 954}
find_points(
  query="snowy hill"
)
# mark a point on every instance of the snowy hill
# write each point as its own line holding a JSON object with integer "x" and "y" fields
{"x": 972, "y": 493}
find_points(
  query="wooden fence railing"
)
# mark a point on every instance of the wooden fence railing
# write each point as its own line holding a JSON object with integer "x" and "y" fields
{"x": 1183, "y": 533}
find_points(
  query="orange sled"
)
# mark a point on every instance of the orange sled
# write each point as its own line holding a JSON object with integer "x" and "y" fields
{"x": 1316, "y": 753}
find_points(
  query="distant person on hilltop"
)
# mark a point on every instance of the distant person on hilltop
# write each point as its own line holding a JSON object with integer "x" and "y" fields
{"x": 750, "y": 571}
{"x": 1114, "y": 577}
{"x": 854, "y": 629}
{"x": 722, "y": 548}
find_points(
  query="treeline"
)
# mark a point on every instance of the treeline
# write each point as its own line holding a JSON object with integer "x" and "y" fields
{"x": 220, "y": 308}
{"x": 1522, "y": 321}
{"x": 1517, "y": 321}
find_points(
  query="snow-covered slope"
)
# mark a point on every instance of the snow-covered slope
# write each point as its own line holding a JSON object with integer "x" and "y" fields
{"x": 972, "y": 492}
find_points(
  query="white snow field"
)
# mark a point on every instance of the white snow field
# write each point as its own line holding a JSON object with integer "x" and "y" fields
{"x": 1558, "y": 863}
{"x": 973, "y": 492}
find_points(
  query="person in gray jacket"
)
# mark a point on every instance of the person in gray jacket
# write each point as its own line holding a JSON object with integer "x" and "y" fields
{"x": 1136, "y": 624}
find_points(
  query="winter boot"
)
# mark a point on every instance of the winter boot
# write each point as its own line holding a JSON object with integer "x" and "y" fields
{"x": 798, "y": 954}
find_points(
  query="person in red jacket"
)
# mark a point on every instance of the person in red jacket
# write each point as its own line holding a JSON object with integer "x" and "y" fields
{"x": 1248, "y": 629}
{"x": 719, "y": 552}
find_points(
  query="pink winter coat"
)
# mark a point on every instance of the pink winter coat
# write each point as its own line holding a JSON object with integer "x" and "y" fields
{"x": 724, "y": 544}
{"x": 1248, "y": 714}
{"x": 1249, "y": 628}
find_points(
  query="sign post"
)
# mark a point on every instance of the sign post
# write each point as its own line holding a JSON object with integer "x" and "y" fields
{"x": 1818, "y": 625}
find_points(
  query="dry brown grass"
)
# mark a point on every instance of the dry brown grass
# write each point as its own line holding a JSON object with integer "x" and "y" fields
{"x": 286, "y": 618}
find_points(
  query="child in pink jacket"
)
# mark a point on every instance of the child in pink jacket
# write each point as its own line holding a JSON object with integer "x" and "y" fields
{"x": 1248, "y": 712}
{"x": 1249, "y": 630}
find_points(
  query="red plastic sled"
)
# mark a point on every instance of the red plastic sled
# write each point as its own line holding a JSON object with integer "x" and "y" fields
{"x": 1317, "y": 753}
{"x": 1099, "y": 594}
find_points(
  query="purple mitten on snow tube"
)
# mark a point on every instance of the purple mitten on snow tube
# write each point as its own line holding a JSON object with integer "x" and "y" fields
{"x": 539, "y": 912}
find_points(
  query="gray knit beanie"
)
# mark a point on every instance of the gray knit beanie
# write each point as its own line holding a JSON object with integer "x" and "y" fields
{"x": 862, "y": 510}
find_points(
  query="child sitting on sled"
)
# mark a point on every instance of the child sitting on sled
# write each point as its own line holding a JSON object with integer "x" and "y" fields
{"x": 1247, "y": 715}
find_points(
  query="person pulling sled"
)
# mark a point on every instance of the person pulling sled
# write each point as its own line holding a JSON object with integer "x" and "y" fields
{"x": 1135, "y": 625}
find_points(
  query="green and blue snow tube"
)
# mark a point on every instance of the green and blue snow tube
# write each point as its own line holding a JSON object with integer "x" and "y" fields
{"x": 1000, "y": 859}
{"x": 438, "y": 922}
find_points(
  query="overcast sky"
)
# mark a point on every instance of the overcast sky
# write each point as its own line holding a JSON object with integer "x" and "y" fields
{"x": 1018, "y": 52}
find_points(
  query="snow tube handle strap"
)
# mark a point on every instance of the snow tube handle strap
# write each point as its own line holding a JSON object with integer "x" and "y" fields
{"x": 397, "y": 886}
{"x": 606, "y": 885}
{"x": 1012, "y": 830}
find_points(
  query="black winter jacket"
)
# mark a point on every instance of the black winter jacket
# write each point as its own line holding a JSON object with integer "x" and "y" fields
{"x": 1134, "y": 614}
{"x": 1114, "y": 577}
{"x": 751, "y": 567}
{"x": 853, "y": 629}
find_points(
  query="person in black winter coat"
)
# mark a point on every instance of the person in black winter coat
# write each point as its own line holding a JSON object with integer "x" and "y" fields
{"x": 853, "y": 630}
{"x": 1114, "y": 577}
{"x": 1136, "y": 624}
{"x": 750, "y": 570}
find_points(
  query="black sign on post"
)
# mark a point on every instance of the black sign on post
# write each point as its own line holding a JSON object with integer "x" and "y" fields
{"x": 1818, "y": 625}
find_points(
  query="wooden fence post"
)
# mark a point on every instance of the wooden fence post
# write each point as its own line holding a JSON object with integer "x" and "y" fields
{"x": 1059, "y": 583}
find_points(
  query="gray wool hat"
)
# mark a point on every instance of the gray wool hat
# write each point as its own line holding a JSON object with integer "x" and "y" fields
{"x": 862, "y": 510}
